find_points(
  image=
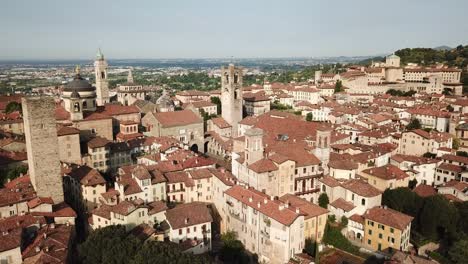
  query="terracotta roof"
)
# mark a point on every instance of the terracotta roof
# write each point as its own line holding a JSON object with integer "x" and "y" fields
{"x": 361, "y": 188}
{"x": 156, "y": 207}
{"x": 263, "y": 165}
{"x": 343, "y": 164}
{"x": 309, "y": 209}
{"x": 141, "y": 172}
{"x": 424, "y": 190}
{"x": 459, "y": 159}
{"x": 225, "y": 176}
{"x": 67, "y": 130}
{"x": 274, "y": 209}
{"x": 388, "y": 217}
{"x": 357, "y": 218}
{"x": 53, "y": 244}
{"x": 38, "y": 201}
{"x": 87, "y": 176}
{"x": 329, "y": 181}
{"x": 116, "y": 109}
{"x": 458, "y": 185}
{"x": 450, "y": 167}
{"x": 188, "y": 214}
{"x": 342, "y": 204}
{"x": 387, "y": 172}
{"x": 98, "y": 142}
{"x": 177, "y": 118}
{"x": 220, "y": 122}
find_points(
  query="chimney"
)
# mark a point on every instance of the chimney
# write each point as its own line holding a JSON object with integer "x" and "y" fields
{"x": 265, "y": 201}
{"x": 46, "y": 249}
{"x": 250, "y": 199}
{"x": 186, "y": 221}
{"x": 297, "y": 211}
{"x": 286, "y": 205}
{"x": 272, "y": 198}
{"x": 258, "y": 204}
{"x": 44, "y": 235}
{"x": 281, "y": 207}
{"x": 52, "y": 226}
{"x": 38, "y": 249}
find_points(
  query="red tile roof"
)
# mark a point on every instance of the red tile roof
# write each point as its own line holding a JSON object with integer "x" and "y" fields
{"x": 424, "y": 190}
{"x": 309, "y": 209}
{"x": 177, "y": 118}
{"x": 263, "y": 165}
{"x": 342, "y": 204}
{"x": 388, "y": 217}
{"x": 387, "y": 172}
{"x": 188, "y": 214}
{"x": 272, "y": 208}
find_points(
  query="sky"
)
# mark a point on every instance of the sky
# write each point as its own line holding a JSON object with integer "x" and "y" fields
{"x": 150, "y": 29}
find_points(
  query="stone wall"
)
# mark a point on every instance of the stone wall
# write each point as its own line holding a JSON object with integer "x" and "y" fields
{"x": 42, "y": 146}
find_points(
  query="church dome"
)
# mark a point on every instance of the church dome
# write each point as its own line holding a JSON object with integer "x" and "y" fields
{"x": 78, "y": 84}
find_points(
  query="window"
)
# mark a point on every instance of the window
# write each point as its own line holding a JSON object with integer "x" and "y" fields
{"x": 180, "y": 231}
{"x": 370, "y": 232}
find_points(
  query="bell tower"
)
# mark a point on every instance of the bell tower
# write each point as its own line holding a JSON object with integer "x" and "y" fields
{"x": 102, "y": 84}
{"x": 322, "y": 146}
{"x": 231, "y": 95}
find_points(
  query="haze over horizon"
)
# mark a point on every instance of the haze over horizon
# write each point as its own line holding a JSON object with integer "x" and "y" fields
{"x": 192, "y": 29}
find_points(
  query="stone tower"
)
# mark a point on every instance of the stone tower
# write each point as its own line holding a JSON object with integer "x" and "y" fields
{"x": 130, "y": 76}
{"x": 231, "y": 95}
{"x": 42, "y": 147}
{"x": 253, "y": 145}
{"x": 322, "y": 146}
{"x": 102, "y": 84}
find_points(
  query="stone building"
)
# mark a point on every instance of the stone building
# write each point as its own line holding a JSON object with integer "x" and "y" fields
{"x": 129, "y": 92}
{"x": 42, "y": 147}
{"x": 231, "y": 95}
{"x": 102, "y": 84}
{"x": 69, "y": 140}
{"x": 186, "y": 126}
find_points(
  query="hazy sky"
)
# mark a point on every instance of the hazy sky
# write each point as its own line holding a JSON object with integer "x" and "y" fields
{"x": 63, "y": 29}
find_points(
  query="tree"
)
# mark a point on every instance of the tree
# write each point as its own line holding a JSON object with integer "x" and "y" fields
{"x": 113, "y": 245}
{"x": 414, "y": 124}
{"x": 438, "y": 218}
{"x": 332, "y": 218}
{"x": 13, "y": 107}
{"x": 412, "y": 184}
{"x": 344, "y": 220}
{"x": 338, "y": 86}
{"x": 458, "y": 253}
{"x": 215, "y": 100}
{"x": 10, "y": 174}
{"x": 309, "y": 117}
{"x": 232, "y": 251}
{"x": 333, "y": 236}
{"x": 310, "y": 247}
{"x": 323, "y": 200}
{"x": 456, "y": 143}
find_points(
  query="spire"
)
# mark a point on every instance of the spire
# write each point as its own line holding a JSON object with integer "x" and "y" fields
{"x": 130, "y": 76}
{"x": 99, "y": 55}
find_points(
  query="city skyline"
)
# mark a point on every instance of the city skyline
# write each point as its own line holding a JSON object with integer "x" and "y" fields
{"x": 160, "y": 30}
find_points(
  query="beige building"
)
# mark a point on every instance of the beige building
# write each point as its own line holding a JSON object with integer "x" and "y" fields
{"x": 386, "y": 230}
{"x": 256, "y": 104}
{"x": 69, "y": 140}
{"x": 386, "y": 177}
{"x": 270, "y": 228}
{"x": 417, "y": 142}
{"x": 186, "y": 126}
{"x": 315, "y": 217}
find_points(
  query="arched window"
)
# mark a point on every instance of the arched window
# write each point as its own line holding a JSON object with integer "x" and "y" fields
{"x": 76, "y": 107}
{"x": 103, "y": 75}
{"x": 363, "y": 201}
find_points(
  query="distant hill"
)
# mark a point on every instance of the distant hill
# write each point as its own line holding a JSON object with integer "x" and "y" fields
{"x": 426, "y": 56}
{"x": 443, "y": 48}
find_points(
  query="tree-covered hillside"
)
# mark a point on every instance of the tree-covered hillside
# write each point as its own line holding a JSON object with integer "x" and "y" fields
{"x": 457, "y": 57}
